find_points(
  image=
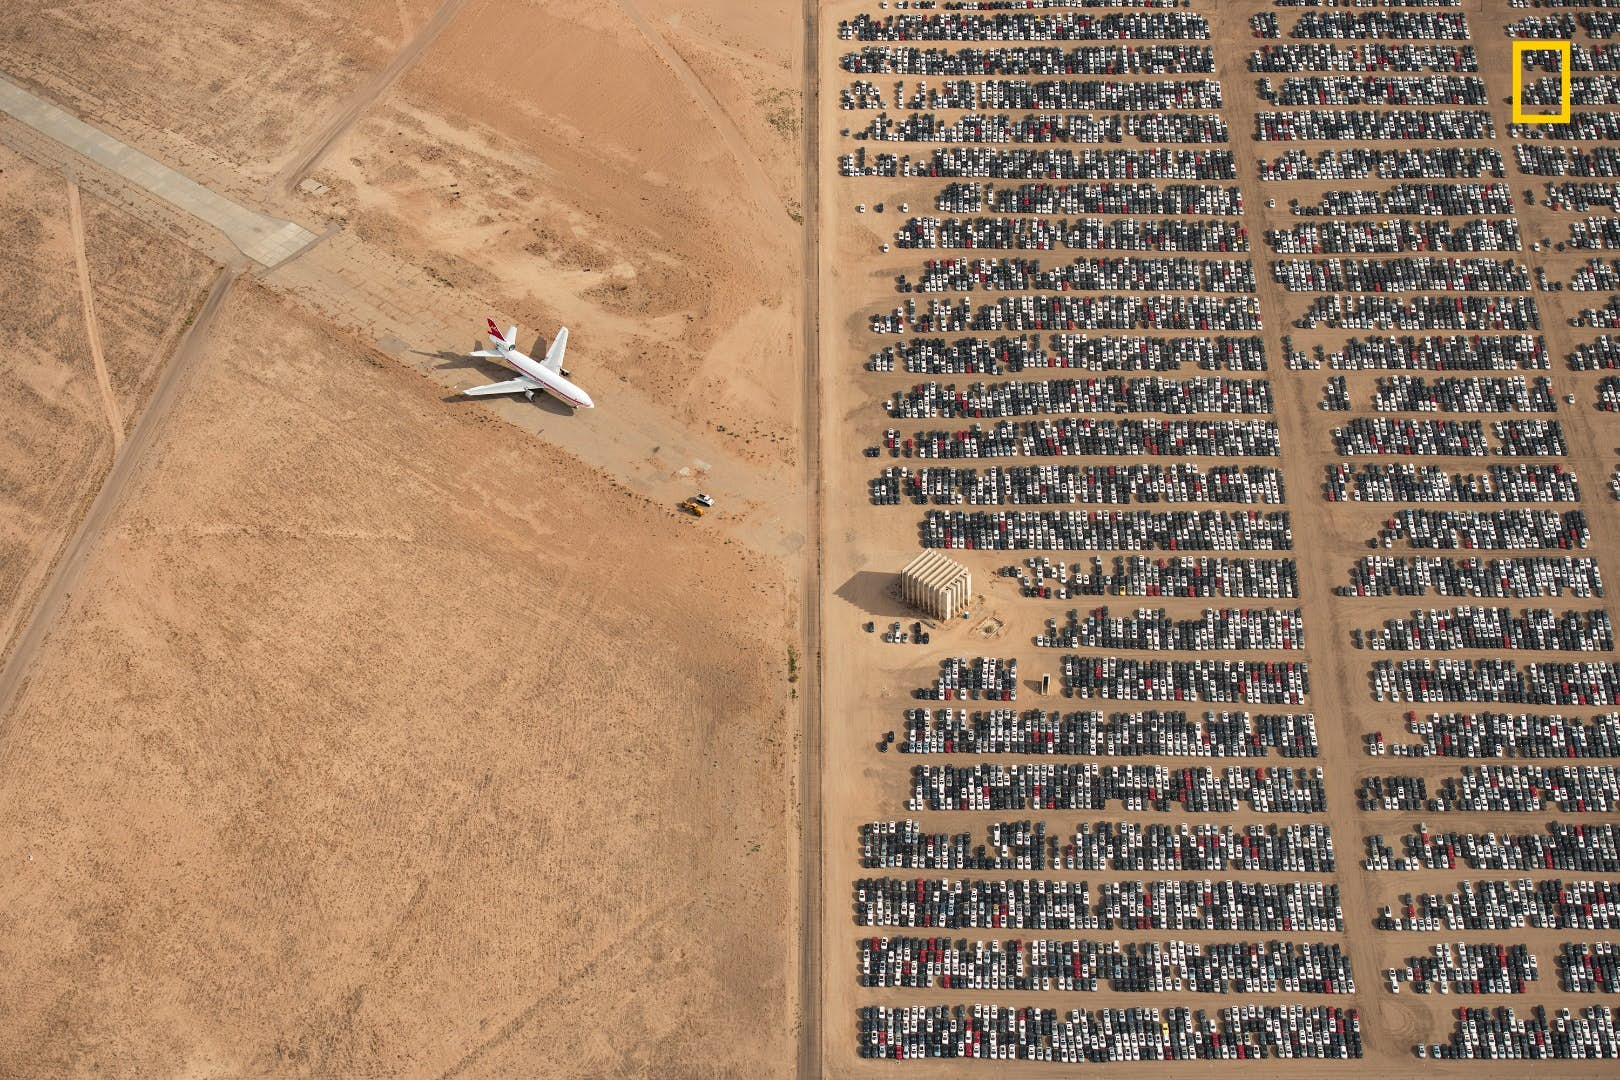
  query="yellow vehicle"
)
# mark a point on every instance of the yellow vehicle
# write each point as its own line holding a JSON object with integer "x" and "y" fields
{"x": 692, "y": 507}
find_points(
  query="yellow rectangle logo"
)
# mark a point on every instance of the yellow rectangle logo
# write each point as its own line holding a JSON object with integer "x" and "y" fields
{"x": 1563, "y": 49}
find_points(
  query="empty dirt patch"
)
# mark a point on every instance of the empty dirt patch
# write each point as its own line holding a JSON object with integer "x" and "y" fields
{"x": 363, "y": 750}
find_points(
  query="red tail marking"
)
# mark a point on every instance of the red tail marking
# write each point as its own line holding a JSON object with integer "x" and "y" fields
{"x": 493, "y": 332}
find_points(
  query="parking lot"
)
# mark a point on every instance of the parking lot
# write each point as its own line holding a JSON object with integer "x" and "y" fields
{"x": 1311, "y": 687}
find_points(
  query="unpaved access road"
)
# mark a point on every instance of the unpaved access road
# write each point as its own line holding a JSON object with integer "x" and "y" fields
{"x": 310, "y": 151}
{"x": 125, "y": 466}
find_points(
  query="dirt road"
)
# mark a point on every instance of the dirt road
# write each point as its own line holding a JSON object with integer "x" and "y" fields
{"x": 810, "y": 758}
{"x": 54, "y": 596}
{"x": 92, "y": 329}
{"x": 310, "y": 151}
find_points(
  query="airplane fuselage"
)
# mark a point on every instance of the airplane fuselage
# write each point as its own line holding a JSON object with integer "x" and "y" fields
{"x": 551, "y": 382}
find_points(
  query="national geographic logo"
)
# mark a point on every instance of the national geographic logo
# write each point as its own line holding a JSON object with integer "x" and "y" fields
{"x": 1562, "y": 48}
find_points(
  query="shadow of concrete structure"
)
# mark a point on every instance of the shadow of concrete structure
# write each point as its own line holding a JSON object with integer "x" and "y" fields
{"x": 877, "y": 595}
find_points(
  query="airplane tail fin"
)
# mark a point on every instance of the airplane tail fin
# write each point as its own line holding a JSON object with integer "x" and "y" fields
{"x": 495, "y": 335}
{"x": 559, "y": 346}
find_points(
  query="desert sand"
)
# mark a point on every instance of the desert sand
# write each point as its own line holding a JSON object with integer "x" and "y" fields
{"x": 383, "y": 732}
{"x": 347, "y": 730}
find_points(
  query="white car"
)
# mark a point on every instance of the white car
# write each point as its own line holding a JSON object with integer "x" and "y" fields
{"x": 704, "y": 499}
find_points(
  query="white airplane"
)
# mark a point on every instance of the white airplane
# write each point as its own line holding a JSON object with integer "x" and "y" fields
{"x": 548, "y": 374}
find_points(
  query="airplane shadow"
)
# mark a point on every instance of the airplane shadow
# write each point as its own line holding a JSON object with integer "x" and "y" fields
{"x": 454, "y": 361}
{"x": 547, "y": 403}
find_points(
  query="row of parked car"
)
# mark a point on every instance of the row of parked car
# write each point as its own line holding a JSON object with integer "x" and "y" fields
{"x": 1382, "y": 56}
{"x": 1127, "y": 311}
{"x": 1602, "y": 353}
{"x": 989, "y": 678}
{"x": 1148, "y": 732}
{"x": 1079, "y": 95}
{"x": 1400, "y": 25}
{"x": 1332, "y": 236}
{"x": 1094, "y": 273}
{"x": 1447, "y": 352}
{"x": 1572, "y": 789}
{"x": 1545, "y": 1035}
{"x": 1404, "y": 437}
{"x": 1103, "y": 845}
{"x": 1378, "y": 482}
{"x": 1385, "y": 163}
{"x": 1046, "y": 128}
{"x": 1030, "y": 60}
{"x": 1025, "y": 26}
{"x": 1048, "y": 163}
{"x": 1044, "y": 964}
{"x": 1362, "y": 125}
{"x": 1496, "y": 680}
{"x": 1500, "y": 735}
{"x": 996, "y": 1032}
{"x": 1117, "y": 485}
{"x": 1397, "y": 275}
{"x": 1583, "y": 90}
{"x": 1006, "y": 354}
{"x": 1265, "y": 682}
{"x": 1520, "y": 577}
{"x": 1108, "y": 530}
{"x": 1065, "y": 904}
{"x": 1463, "y": 393}
{"x": 1479, "y": 627}
{"x": 1468, "y": 968}
{"x": 1140, "y": 198}
{"x": 1596, "y": 275}
{"x": 1595, "y": 233}
{"x": 1590, "y": 848}
{"x": 1154, "y": 629}
{"x": 1007, "y": 233}
{"x": 1588, "y": 126}
{"x": 1144, "y": 575}
{"x": 1089, "y": 786}
{"x": 1546, "y": 903}
{"x": 1497, "y": 530}
{"x": 1543, "y": 160}
{"x": 1589, "y": 968}
{"x": 1380, "y": 90}
{"x": 1580, "y": 196}
{"x": 1088, "y": 436}
{"x": 1606, "y": 317}
{"x": 1372, "y": 311}
{"x": 1426, "y": 197}
{"x": 1090, "y": 395}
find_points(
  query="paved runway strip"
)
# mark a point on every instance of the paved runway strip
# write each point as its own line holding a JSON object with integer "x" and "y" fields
{"x": 264, "y": 239}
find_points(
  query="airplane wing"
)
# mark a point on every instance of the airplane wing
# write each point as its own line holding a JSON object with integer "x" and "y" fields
{"x": 554, "y": 355}
{"x": 510, "y": 386}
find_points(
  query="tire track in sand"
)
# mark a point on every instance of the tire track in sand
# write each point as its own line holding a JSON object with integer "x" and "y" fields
{"x": 764, "y": 193}
{"x": 92, "y": 329}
